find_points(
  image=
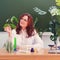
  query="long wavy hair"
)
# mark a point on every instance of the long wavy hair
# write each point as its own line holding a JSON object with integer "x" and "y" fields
{"x": 29, "y": 28}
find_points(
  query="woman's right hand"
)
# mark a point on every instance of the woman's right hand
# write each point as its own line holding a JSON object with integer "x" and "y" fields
{"x": 8, "y": 29}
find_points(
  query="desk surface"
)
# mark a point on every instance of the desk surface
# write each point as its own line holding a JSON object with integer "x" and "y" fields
{"x": 44, "y": 55}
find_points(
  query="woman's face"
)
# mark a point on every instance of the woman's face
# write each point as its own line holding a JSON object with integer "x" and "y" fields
{"x": 24, "y": 21}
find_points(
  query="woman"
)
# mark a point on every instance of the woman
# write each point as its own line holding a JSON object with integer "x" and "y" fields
{"x": 25, "y": 33}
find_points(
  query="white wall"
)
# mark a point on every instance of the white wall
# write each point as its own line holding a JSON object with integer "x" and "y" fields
{"x": 3, "y": 38}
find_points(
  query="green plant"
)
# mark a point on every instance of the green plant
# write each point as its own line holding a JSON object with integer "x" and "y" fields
{"x": 57, "y": 2}
{"x": 54, "y": 23}
{"x": 12, "y": 22}
{"x": 53, "y": 29}
{"x": 58, "y": 17}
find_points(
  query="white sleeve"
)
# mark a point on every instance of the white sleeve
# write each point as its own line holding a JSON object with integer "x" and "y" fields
{"x": 38, "y": 42}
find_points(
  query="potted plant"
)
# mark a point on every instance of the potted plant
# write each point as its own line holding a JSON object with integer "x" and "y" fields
{"x": 12, "y": 22}
{"x": 54, "y": 24}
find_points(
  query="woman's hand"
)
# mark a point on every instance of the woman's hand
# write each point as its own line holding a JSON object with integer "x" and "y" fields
{"x": 8, "y": 29}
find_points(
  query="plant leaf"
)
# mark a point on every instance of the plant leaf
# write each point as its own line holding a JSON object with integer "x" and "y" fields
{"x": 12, "y": 26}
{"x": 13, "y": 18}
{"x": 5, "y": 25}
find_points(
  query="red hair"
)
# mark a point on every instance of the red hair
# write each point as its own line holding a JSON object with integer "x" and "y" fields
{"x": 29, "y": 28}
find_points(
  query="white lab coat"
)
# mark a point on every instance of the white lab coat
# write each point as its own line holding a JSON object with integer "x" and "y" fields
{"x": 31, "y": 42}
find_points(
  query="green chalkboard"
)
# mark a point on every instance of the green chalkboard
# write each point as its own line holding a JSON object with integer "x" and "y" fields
{"x": 10, "y": 8}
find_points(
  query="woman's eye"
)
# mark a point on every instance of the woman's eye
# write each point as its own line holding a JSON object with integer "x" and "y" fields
{"x": 25, "y": 20}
